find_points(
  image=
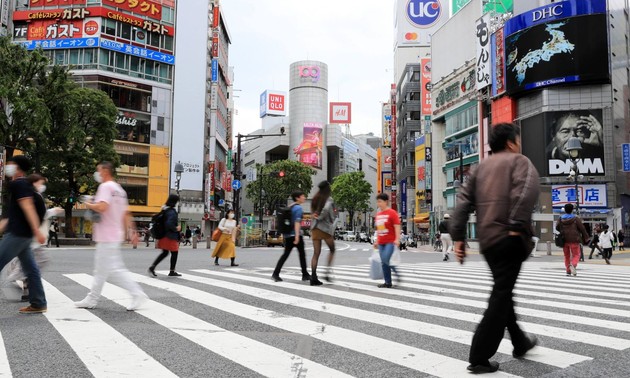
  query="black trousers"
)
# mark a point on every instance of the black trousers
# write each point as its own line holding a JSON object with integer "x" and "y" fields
{"x": 288, "y": 247}
{"x": 505, "y": 260}
{"x": 51, "y": 235}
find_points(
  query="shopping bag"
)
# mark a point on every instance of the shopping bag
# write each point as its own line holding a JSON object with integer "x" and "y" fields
{"x": 395, "y": 259}
{"x": 216, "y": 235}
{"x": 376, "y": 269}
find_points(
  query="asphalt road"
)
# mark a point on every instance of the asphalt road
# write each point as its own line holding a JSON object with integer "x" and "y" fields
{"x": 235, "y": 322}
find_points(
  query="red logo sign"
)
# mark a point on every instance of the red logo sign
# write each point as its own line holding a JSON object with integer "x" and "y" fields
{"x": 276, "y": 102}
{"x": 91, "y": 27}
{"x": 144, "y": 7}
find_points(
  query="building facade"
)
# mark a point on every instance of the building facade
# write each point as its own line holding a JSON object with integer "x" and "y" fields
{"x": 202, "y": 141}
{"x": 125, "y": 49}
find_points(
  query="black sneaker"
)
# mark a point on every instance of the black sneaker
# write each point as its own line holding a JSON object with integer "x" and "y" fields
{"x": 151, "y": 271}
{"x": 531, "y": 342}
{"x": 306, "y": 277}
{"x": 385, "y": 285}
{"x": 490, "y": 367}
{"x": 174, "y": 274}
{"x": 276, "y": 278}
{"x": 316, "y": 282}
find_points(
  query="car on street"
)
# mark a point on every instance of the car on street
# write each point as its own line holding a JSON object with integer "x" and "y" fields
{"x": 274, "y": 238}
{"x": 349, "y": 236}
{"x": 364, "y": 238}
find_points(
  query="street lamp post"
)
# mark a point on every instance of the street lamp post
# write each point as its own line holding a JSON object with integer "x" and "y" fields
{"x": 179, "y": 169}
{"x": 261, "y": 192}
{"x": 574, "y": 147}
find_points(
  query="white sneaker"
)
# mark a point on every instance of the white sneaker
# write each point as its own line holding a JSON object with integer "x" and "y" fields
{"x": 87, "y": 302}
{"x": 573, "y": 270}
{"x": 137, "y": 301}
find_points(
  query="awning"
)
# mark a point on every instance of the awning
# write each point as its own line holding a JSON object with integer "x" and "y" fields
{"x": 421, "y": 218}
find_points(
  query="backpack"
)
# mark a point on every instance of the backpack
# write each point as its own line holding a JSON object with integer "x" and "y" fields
{"x": 284, "y": 219}
{"x": 158, "y": 231}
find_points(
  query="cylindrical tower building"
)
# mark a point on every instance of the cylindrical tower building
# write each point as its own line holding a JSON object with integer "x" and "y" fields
{"x": 308, "y": 109}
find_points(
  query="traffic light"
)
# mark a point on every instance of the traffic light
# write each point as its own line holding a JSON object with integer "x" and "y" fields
{"x": 277, "y": 174}
{"x": 72, "y": 198}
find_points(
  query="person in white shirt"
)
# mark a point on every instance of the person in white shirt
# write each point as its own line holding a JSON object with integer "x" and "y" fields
{"x": 606, "y": 239}
{"x": 225, "y": 248}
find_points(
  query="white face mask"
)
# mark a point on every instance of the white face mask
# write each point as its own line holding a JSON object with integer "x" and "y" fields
{"x": 10, "y": 170}
{"x": 231, "y": 216}
{"x": 41, "y": 188}
{"x": 97, "y": 177}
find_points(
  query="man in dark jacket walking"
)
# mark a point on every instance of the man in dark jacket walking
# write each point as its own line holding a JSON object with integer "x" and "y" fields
{"x": 503, "y": 191}
{"x": 574, "y": 232}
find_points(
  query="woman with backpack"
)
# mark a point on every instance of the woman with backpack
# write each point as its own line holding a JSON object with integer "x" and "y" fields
{"x": 170, "y": 241}
{"x": 225, "y": 248}
{"x": 323, "y": 229}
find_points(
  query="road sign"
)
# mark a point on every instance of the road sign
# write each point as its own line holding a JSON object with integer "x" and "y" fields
{"x": 221, "y": 202}
{"x": 244, "y": 220}
{"x": 236, "y": 184}
{"x": 625, "y": 156}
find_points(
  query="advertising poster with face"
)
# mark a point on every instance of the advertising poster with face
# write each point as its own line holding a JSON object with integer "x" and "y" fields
{"x": 310, "y": 150}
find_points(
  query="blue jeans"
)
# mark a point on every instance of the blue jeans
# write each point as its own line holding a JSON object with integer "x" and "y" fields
{"x": 12, "y": 246}
{"x": 386, "y": 251}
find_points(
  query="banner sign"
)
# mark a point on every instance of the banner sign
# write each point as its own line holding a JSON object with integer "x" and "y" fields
{"x": 588, "y": 195}
{"x": 143, "y": 7}
{"x": 484, "y": 68}
{"x": 625, "y": 156}
{"x": 215, "y": 70}
{"x": 54, "y": 3}
{"x": 403, "y": 199}
{"x": 137, "y": 51}
{"x": 498, "y": 63}
{"x": 69, "y": 43}
{"x": 425, "y": 86}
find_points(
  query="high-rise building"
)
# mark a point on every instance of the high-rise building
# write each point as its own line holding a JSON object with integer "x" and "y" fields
{"x": 202, "y": 139}
{"x": 126, "y": 49}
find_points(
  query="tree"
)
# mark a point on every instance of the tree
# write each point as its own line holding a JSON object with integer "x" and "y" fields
{"x": 23, "y": 113}
{"x": 82, "y": 133}
{"x": 276, "y": 189}
{"x": 351, "y": 193}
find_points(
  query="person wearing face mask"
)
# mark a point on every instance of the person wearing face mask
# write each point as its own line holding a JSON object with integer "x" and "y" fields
{"x": 111, "y": 203}
{"x": 24, "y": 218}
{"x": 169, "y": 243}
{"x": 41, "y": 257}
{"x": 225, "y": 248}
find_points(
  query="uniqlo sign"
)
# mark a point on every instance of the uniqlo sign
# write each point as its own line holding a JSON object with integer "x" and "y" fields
{"x": 273, "y": 103}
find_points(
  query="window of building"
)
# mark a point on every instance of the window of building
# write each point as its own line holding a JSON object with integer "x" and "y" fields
{"x": 414, "y": 96}
{"x": 94, "y": 1}
{"x": 127, "y": 98}
{"x": 108, "y": 27}
{"x": 160, "y": 125}
{"x": 134, "y": 127}
{"x": 60, "y": 57}
{"x": 168, "y": 15}
{"x": 125, "y": 30}
{"x": 415, "y": 77}
{"x": 134, "y": 163}
{"x": 461, "y": 120}
{"x": 137, "y": 195}
{"x": 168, "y": 42}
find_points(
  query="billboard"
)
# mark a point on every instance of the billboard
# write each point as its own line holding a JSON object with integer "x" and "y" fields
{"x": 417, "y": 20}
{"x": 54, "y": 3}
{"x": 387, "y": 120}
{"x": 145, "y": 7}
{"x": 137, "y": 51}
{"x": 588, "y": 196}
{"x": 310, "y": 151}
{"x": 425, "y": 86}
{"x": 546, "y": 46}
{"x": 552, "y": 158}
{"x": 273, "y": 103}
{"x": 340, "y": 112}
{"x": 497, "y": 53}
{"x": 53, "y": 29}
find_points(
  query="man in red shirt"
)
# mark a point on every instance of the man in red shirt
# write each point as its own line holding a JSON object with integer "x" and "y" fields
{"x": 388, "y": 236}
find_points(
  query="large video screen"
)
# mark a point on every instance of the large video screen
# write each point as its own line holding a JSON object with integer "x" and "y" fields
{"x": 551, "y": 157}
{"x": 559, "y": 52}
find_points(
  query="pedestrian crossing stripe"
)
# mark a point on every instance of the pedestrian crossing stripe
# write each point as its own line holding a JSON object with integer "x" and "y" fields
{"x": 401, "y": 354}
{"x": 107, "y": 352}
{"x": 351, "y": 273}
{"x": 542, "y": 355}
{"x": 257, "y": 356}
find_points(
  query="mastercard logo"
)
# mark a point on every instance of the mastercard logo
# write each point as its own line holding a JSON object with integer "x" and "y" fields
{"x": 411, "y": 36}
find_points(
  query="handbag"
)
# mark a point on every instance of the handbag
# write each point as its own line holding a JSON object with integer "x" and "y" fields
{"x": 559, "y": 240}
{"x": 216, "y": 234}
{"x": 376, "y": 269}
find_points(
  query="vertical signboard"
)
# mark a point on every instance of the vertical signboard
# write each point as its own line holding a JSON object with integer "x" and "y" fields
{"x": 498, "y": 63}
{"x": 425, "y": 86}
{"x": 393, "y": 136}
{"x": 387, "y": 119}
{"x": 4, "y": 14}
{"x": 310, "y": 151}
{"x": 484, "y": 68}
{"x": 403, "y": 202}
{"x": 625, "y": 156}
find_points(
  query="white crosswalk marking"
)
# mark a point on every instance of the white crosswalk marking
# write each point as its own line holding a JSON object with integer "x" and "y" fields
{"x": 422, "y": 328}
{"x": 543, "y": 355}
{"x": 414, "y": 358}
{"x": 254, "y": 355}
{"x": 103, "y": 350}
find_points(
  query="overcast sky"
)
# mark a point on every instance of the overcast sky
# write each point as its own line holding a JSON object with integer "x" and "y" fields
{"x": 354, "y": 37}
